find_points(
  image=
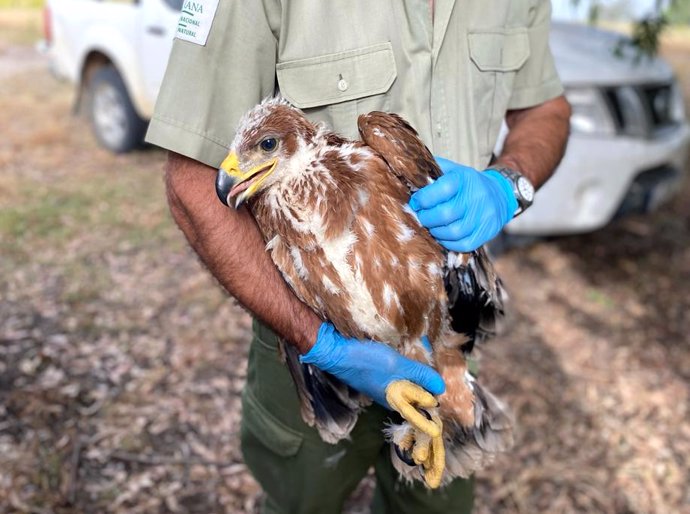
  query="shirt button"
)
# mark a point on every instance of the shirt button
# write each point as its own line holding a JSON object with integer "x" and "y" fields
{"x": 343, "y": 85}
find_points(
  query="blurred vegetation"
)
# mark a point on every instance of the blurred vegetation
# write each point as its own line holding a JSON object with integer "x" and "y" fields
{"x": 679, "y": 13}
{"x": 646, "y": 32}
{"x": 645, "y": 36}
{"x": 20, "y": 4}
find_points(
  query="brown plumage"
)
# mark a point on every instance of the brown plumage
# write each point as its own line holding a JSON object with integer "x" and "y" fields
{"x": 334, "y": 216}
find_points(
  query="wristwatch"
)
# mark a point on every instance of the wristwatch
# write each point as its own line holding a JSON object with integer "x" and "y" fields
{"x": 522, "y": 187}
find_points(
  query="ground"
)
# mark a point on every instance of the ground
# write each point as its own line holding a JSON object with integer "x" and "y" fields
{"x": 121, "y": 361}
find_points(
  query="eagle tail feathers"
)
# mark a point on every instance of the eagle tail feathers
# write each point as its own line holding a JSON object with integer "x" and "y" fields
{"x": 470, "y": 449}
{"x": 476, "y": 296}
{"x": 326, "y": 403}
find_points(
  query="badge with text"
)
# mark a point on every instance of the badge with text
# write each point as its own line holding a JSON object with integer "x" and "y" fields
{"x": 195, "y": 20}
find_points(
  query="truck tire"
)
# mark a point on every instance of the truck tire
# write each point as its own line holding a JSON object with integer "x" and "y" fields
{"x": 114, "y": 120}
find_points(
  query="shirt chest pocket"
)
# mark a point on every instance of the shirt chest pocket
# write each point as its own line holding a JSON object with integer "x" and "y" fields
{"x": 336, "y": 88}
{"x": 497, "y": 56}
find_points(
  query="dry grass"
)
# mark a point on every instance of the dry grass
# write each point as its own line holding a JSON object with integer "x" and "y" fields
{"x": 677, "y": 36}
{"x": 121, "y": 362}
{"x": 20, "y": 25}
{"x": 117, "y": 351}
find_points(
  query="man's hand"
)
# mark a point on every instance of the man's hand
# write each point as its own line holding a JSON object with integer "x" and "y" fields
{"x": 464, "y": 208}
{"x": 393, "y": 381}
{"x": 367, "y": 366}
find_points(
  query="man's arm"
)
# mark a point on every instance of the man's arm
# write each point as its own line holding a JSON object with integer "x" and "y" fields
{"x": 537, "y": 139}
{"x": 230, "y": 245}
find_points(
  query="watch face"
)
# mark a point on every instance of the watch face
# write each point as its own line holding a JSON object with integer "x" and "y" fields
{"x": 525, "y": 188}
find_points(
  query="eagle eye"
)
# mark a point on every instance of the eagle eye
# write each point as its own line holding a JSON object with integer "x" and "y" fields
{"x": 269, "y": 144}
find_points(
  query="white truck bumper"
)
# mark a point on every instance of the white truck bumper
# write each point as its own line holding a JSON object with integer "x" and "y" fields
{"x": 599, "y": 177}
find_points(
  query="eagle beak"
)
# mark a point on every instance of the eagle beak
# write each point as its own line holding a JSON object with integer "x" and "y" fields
{"x": 231, "y": 181}
{"x": 228, "y": 175}
{"x": 224, "y": 183}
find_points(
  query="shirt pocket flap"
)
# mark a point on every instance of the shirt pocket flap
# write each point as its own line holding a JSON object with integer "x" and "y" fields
{"x": 334, "y": 78}
{"x": 499, "y": 49}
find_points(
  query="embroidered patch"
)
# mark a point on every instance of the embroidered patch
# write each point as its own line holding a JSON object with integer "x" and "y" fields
{"x": 195, "y": 20}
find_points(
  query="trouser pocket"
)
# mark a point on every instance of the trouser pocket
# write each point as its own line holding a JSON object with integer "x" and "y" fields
{"x": 269, "y": 431}
{"x": 298, "y": 471}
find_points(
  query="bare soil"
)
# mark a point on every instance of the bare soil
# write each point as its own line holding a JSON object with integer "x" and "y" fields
{"x": 121, "y": 361}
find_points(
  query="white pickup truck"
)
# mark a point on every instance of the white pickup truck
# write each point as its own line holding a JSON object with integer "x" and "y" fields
{"x": 116, "y": 53}
{"x": 627, "y": 153}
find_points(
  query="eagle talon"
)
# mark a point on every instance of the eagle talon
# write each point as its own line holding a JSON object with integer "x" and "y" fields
{"x": 426, "y": 413}
{"x": 404, "y": 455}
{"x": 408, "y": 399}
{"x": 424, "y": 439}
{"x": 435, "y": 464}
{"x": 422, "y": 448}
{"x": 417, "y": 449}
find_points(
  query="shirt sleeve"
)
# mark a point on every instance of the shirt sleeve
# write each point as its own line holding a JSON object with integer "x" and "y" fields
{"x": 537, "y": 81}
{"x": 207, "y": 88}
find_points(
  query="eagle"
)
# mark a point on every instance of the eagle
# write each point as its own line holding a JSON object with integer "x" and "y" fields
{"x": 334, "y": 216}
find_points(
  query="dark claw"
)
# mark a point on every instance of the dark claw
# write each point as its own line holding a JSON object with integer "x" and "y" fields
{"x": 404, "y": 455}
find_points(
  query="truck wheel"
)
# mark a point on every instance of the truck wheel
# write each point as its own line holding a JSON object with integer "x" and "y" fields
{"x": 116, "y": 124}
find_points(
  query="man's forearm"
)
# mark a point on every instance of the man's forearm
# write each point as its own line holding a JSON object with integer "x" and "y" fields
{"x": 230, "y": 245}
{"x": 537, "y": 139}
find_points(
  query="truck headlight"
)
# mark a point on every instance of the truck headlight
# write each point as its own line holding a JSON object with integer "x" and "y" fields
{"x": 677, "y": 104}
{"x": 591, "y": 115}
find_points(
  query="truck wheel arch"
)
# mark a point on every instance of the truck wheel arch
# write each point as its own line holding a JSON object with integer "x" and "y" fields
{"x": 113, "y": 118}
{"x": 96, "y": 59}
{"x": 92, "y": 61}
{"x": 97, "y": 66}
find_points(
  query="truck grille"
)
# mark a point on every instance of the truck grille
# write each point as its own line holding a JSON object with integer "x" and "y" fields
{"x": 657, "y": 100}
{"x": 641, "y": 111}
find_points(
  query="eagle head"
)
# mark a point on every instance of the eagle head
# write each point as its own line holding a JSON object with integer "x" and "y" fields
{"x": 268, "y": 139}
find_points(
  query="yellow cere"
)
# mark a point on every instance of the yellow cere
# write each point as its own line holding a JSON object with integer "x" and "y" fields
{"x": 231, "y": 165}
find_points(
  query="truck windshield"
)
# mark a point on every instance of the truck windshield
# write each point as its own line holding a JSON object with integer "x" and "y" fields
{"x": 175, "y": 5}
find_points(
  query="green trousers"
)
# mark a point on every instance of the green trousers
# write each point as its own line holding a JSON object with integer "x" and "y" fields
{"x": 300, "y": 473}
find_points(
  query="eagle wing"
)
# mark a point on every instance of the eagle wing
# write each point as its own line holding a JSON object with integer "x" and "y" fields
{"x": 475, "y": 293}
{"x": 399, "y": 145}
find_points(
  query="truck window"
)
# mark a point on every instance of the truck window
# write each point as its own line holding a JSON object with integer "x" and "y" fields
{"x": 175, "y": 5}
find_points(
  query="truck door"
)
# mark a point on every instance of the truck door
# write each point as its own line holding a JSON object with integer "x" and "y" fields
{"x": 158, "y": 23}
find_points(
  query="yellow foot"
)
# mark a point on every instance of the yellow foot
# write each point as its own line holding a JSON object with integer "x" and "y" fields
{"x": 435, "y": 464}
{"x": 425, "y": 440}
{"x": 405, "y": 397}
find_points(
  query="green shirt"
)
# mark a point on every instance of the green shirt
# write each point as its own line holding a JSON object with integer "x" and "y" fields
{"x": 452, "y": 78}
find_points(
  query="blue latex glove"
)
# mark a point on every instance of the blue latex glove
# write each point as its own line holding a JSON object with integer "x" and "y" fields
{"x": 464, "y": 208}
{"x": 368, "y": 366}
